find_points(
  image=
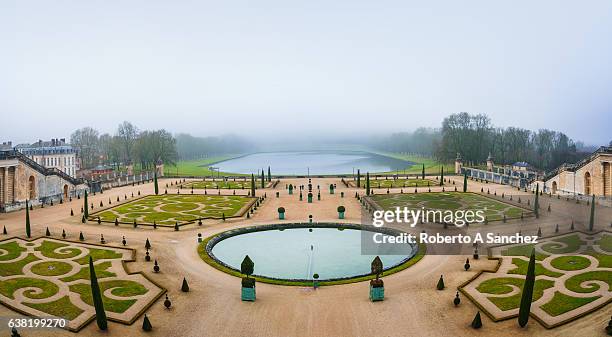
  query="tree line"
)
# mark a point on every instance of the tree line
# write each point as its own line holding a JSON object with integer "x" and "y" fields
{"x": 474, "y": 137}
{"x": 128, "y": 145}
{"x": 190, "y": 147}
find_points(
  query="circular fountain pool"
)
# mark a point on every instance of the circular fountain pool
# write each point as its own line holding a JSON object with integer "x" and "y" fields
{"x": 295, "y": 252}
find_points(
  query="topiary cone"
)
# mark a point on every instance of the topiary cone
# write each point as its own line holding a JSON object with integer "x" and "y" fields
{"x": 146, "y": 324}
{"x": 467, "y": 265}
{"x": 185, "y": 286}
{"x": 477, "y": 322}
{"x": 440, "y": 285}
{"x": 457, "y": 300}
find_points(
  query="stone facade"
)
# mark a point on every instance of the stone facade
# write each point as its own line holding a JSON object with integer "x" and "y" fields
{"x": 52, "y": 154}
{"x": 22, "y": 180}
{"x": 592, "y": 176}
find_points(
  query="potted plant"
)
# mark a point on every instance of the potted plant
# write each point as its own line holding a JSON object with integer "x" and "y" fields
{"x": 341, "y": 210}
{"x": 290, "y": 189}
{"x": 315, "y": 282}
{"x": 377, "y": 288}
{"x": 281, "y": 213}
{"x": 248, "y": 284}
{"x": 331, "y": 188}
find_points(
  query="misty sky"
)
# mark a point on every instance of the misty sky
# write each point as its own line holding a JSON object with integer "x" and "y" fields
{"x": 214, "y": 67}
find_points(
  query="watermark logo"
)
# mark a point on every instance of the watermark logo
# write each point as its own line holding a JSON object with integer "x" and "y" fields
{"x": 412, "y": 217}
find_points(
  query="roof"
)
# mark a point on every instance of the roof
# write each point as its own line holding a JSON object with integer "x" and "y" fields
{"x": 521, "y": 164}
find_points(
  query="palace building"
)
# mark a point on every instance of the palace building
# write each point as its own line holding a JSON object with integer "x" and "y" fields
{"x": 24, "y": 177}
{"x": 590, "y": 176}
{"x": 52, "y": 154}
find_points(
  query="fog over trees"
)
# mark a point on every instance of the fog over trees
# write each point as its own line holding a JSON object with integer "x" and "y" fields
{"x": 475, "y": 136}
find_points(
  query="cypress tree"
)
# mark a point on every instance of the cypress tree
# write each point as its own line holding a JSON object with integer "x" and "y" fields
{"x": 263, "y": 179}
{"x": 252, "y": 185}
{"x": 423, "y": 172}
{"x": 185, "y": 286}
{"x": 527, "y": 294}
{"x": 27, "y": 221}
{"x": 536, "y": 203}
{"x": 269, "y": 174}
{"x": 592, "y": 217}
{"x": 465, "y": 182}
{"x": 358, "y": 178}
{"x": 146, "y": 325}
{"x": 86, "y": 206}
{"x": 97, "y": 297}
{"x": 441, "y": 175}
{"x": 155, "y": 183}
{"x": 367, "y": 183}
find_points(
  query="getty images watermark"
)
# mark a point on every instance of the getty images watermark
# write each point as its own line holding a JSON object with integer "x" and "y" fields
{"x": 454, "y": 230}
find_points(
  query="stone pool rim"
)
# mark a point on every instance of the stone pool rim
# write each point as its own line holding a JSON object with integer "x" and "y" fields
{"x": 205, "y": 251}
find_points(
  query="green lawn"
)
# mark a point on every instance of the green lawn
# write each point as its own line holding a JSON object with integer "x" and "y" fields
{"x": 453, "y": 201}
{"x": 198, "y": 168}
{"x": 234, "y": 184}
{"x": 51, "y": 268}
{"x": 43, "y": 287}
{"x": 570, "y": 262}
{"x": 501, "y": 285}
{"x": 564, "y": 244}
{"x": 575, "y": 283}
{"x": 167, "y": 210}
{"x": 16, "y": 268}
{"x": 62, "y": 307}
{"x": 432, "y": 166}
{"x": 522, "y": 266}
{"x": 561, "y": 303}
{"x": 391, "y": 183}
{"x": 63, "y": 265}
{"x": 120, "y": 288}
{"x": 523, "y": 250}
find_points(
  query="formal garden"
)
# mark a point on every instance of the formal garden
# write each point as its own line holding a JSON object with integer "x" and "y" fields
{"x": 493, "y": 209}
{"x": 223, "y": 183}
{"x": 175, "y": 209}
{"x": 573, "y": 276}
{"x": 390, "y": 182}
{"x": 48, "y": 277}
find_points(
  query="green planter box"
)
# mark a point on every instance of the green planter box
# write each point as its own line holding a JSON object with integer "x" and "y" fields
{"x": 310, "y": 199}
{"x": 377, "y": 294}
{"x": 248, "y": 294}
{"x": 281, "y": 216}
{"x": 340, "y": 215}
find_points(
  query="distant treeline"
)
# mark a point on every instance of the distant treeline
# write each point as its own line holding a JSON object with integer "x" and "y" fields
{"x": 190, "y": 147}
{"x": 474, "y": 137}
{"x": 127, "y": 145}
